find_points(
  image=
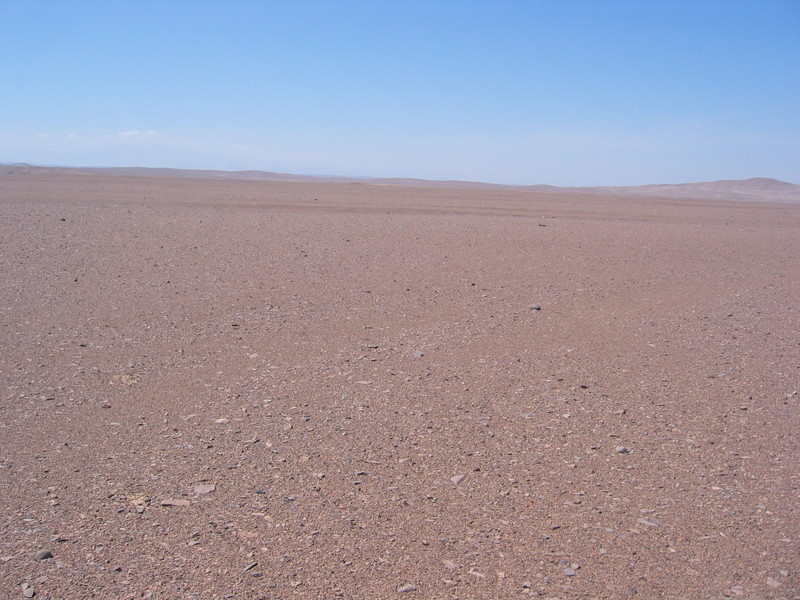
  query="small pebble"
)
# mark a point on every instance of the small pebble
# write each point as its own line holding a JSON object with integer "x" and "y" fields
{"x": 28, "y": 591}
{"x": 623, "y": 450}
{"x": 535, "y": 307}
{"x": 457, "y": 478}
{"x": 409, "y": 587}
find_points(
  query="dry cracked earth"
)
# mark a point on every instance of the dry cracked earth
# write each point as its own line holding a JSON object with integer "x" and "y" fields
{"x": 221, "y": 389}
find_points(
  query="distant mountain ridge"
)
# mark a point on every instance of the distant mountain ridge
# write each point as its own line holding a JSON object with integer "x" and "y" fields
{"x": 757, "y": 189}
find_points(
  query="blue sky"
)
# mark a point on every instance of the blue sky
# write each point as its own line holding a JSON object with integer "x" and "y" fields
{"x": 563, "y": 92}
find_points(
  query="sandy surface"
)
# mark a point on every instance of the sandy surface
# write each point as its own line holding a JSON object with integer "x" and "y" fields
{"x": 221, "y": 389}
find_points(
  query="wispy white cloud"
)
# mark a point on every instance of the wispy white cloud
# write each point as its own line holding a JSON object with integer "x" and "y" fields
{"x": 138, "y": 135}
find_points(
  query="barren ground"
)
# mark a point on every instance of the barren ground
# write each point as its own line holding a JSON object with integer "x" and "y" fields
{"x": 221, "y": 389}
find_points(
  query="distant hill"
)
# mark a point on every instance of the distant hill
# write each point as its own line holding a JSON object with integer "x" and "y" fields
{"x": 759, "y": 189}
{"x": 21, "y": 168}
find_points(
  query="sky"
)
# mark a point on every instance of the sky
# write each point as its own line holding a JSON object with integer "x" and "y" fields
{"x": 560, "y": 92}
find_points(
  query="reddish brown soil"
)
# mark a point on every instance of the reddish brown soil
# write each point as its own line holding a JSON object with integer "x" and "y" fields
{"x": 356, "y": 377}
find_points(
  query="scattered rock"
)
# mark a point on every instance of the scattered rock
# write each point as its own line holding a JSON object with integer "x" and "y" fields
{"x": 535, "y": 307}
{"x": 173, "y": 502}
{"x": 569, "y": 572}
{"x": 28, "y": 591}
{"x": 623, "y": 450}
{"x": 458, "y": 478}
{"x": 409, "y": 587}
{"x": 773, "y": 583}
{"x": 204, "y": 488}
{"x": 252, "y": 565}
{"x": 43, "y": 555}
{"x": 450, "y": 564}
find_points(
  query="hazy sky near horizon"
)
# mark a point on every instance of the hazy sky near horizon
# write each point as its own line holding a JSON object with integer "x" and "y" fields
{"x": 611, "y": 92}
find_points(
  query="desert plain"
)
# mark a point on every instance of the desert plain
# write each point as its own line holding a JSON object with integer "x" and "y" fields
{"x": 265, "y": 390}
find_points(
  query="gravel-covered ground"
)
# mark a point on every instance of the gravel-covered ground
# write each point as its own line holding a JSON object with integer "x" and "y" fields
{"x": 221, "y": 389}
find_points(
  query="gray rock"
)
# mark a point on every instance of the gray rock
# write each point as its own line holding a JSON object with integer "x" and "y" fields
{"x": 28, "y": 591}
{"x": 535, "y": 307}
{"x": 175, "y": 502}
{"x": 409, "y": 587}
{"x": 43, "y": 555}
{"x": 204, "y": 488}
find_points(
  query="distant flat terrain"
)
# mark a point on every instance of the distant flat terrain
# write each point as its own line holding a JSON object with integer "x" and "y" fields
{"x": 759, "y": 189}
{"x": 232, "y": 388}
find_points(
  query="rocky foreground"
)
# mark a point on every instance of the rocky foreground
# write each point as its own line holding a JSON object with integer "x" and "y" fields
{"x": 239, "y": 389}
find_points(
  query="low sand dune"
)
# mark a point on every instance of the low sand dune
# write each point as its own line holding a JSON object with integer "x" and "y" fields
{"x": 246, "y": 389}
